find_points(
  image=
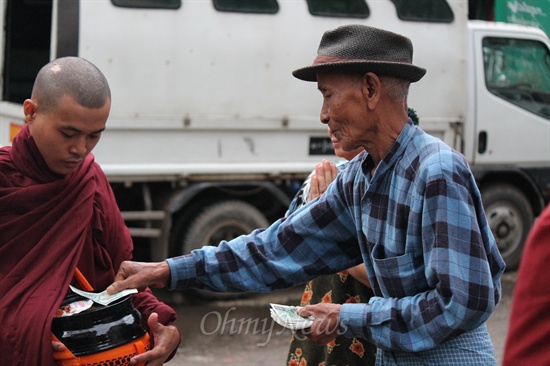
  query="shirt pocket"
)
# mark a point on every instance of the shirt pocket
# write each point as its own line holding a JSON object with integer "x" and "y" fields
{"x": 398, "y": 276}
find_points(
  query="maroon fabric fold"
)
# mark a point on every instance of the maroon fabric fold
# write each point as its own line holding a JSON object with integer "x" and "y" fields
{"x": 49, "y": 225}
{"x": 529, "y": 326}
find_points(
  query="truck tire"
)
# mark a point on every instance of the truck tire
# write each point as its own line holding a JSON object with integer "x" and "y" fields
{"x": 220, "y": 221}
{"x": 510, "y": 218}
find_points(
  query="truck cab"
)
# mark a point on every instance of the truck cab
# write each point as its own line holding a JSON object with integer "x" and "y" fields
{"x": 508, "y": 140}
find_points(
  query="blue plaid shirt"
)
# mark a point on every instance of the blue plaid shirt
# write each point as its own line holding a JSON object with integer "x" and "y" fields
{"x": 419, "y": 226}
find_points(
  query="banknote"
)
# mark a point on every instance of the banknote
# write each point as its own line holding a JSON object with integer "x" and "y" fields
{"x": 288, "y": 317}
{"x": 103, "y": 298}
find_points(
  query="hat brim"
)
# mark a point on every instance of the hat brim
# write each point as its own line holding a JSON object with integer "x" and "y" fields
{"x": 397, "y": 69}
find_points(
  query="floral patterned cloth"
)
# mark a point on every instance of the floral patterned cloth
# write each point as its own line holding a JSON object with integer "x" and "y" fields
{"x": 338, "y": 289}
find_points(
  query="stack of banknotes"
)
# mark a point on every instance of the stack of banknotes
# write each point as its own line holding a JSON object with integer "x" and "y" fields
{"x": 287, "y": 316}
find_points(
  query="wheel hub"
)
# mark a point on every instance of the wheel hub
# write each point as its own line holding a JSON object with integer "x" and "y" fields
{"x": 506, "y": 227}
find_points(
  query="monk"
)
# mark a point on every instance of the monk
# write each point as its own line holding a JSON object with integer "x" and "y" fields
{"x": 58, "y": 213}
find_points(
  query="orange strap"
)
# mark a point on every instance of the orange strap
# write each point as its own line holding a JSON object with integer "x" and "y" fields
{"x": 82, "y": 281}
{"x": 141, "y": 348}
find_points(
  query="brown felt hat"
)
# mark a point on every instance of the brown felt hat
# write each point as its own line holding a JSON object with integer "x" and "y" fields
{"x": 360, "y": 49}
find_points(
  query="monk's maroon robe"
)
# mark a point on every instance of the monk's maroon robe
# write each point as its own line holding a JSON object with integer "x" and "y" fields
{"x": 527, "y": 341}
{"x": 49, "y": 225}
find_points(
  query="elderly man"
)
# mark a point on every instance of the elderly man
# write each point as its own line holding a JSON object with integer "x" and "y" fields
{"x": 409, "y": 209}
{"x": 58, "y": 214}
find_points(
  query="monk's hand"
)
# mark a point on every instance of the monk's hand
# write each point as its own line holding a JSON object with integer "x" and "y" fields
{"x": 167, "y": 339}
{"x": 58, "y": 346}
{"x": 140, "y": 275}
{"x": 326, "y": 326}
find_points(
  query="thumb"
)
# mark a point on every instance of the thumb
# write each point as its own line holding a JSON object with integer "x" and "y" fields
{"x": 153, "y": 322}
{"x": 58, "y": 347}
{"x": 116, "y": 287}
{"x": 304, "y": 311}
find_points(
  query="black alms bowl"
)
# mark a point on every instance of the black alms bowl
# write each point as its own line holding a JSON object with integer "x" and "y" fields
{"x": 99, "y": 328}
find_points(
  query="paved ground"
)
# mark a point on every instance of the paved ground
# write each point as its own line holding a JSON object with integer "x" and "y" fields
{"x": 240, "y": 332}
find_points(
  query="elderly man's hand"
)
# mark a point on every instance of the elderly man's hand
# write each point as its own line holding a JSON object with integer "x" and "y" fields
{"x": 167, "y": 339}
{"x": 140, "y": 275}
{"x": 326, "y": 326}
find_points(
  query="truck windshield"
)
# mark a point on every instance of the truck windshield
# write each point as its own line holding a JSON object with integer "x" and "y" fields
{"x": 518, "y": 70}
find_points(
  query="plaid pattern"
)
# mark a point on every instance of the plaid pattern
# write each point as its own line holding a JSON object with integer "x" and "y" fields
{"x": 473, "y": 348}
{"x": 431, "y": 258}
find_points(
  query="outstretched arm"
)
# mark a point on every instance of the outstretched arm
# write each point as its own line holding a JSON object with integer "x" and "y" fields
{"x": 140, "y": 275}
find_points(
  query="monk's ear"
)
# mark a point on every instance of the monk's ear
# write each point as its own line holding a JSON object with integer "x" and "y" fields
{"x": 29, "y": 108}
{"x": 371, "y": 87}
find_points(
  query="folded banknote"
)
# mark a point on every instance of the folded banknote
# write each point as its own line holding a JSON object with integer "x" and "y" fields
{"x": 103, "y": 298}
{"x": 288, "y": 317}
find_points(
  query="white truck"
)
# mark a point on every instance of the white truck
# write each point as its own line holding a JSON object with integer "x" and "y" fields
{"x": 210, "y": 135}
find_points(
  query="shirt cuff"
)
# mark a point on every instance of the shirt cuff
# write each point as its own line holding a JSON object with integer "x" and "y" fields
{"x": 353, "y": 320}
{"x": 182, "y": 272}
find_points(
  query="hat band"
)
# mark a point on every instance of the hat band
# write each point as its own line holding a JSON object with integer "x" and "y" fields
{"x": 324, "y": 59}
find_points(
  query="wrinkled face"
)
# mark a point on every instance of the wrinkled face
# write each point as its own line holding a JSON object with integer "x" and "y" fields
{"x": 344, "y": 108}
{"x": 341, "y": 153}
{"x": 67, "y": 134}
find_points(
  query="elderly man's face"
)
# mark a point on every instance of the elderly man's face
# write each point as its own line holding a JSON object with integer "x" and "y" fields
{"x": 344, "y": 108}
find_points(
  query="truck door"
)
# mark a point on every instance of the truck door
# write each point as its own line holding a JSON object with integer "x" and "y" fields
{"x": 512, "y": 111}
{"x": 511, "y": 134}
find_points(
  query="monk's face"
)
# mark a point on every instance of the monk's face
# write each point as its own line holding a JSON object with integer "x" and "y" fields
{"x": 66, "y": 134}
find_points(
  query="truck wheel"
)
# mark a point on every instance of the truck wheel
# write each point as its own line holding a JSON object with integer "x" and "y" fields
{"x": 510, "y": 218}
{"x": 220, "y": 221}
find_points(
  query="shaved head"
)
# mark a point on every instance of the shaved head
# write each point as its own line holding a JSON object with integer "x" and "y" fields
{"x": 73, "y": 76}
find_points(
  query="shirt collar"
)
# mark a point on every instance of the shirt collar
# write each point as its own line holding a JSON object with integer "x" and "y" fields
{"x": 394, "y": 154}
